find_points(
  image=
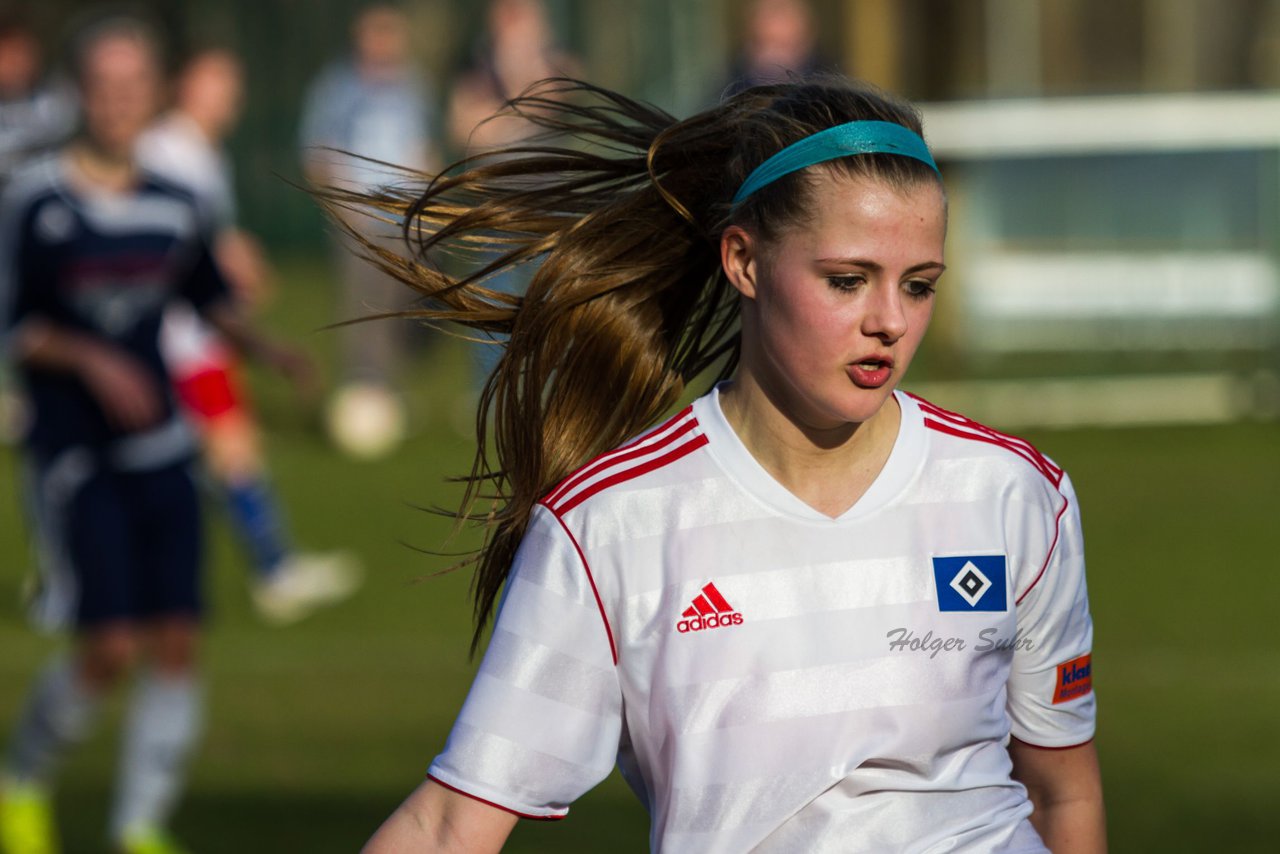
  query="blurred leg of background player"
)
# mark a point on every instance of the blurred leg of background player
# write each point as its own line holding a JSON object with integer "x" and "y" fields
{"x": 133, "y": 541}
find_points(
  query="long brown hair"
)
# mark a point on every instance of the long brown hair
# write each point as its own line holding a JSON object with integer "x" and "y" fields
{"x": 620, "y": 206}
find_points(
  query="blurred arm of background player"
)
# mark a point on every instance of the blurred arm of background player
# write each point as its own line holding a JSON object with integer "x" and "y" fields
{"x": 233, "y": 323}
{"x": 1065, "y": 787}
{"x": 122, "y": 387}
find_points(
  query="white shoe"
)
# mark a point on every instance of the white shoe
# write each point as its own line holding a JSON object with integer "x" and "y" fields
{"x": 304, "y": 582}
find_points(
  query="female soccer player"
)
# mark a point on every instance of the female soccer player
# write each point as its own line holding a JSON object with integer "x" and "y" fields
{"x": 92, "y": 250}
{"x": 809, "y": 612}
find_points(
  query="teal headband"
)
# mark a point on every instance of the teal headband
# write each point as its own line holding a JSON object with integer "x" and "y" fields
{"x": 865, "y": 137}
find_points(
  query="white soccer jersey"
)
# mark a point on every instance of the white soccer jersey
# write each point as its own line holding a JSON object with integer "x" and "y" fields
{"x": 768, "y": 678}
{"x": 175, "y": 148}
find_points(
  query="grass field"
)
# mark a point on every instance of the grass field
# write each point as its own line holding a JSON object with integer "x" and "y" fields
{"x": 316, "y": 731}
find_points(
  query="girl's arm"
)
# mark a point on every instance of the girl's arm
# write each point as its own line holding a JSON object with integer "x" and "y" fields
{"x": 435, "y": 819}
{"x": 1065, "y": 788}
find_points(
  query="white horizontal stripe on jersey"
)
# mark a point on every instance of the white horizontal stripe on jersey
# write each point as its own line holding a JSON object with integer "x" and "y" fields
{"x": 897, "y": 679}
{"x": 550, "y": 673}
{"x": 564, "y": 740}
{"x": 147, "y": 214}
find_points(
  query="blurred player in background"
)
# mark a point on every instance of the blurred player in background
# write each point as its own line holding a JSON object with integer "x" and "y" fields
{"x": 377, "y": 104}
{"x": 92, "y": 250}
{"x": 808, "y": 611}
{"x": 517, "y": 49}
{"x": 185, "y": 146}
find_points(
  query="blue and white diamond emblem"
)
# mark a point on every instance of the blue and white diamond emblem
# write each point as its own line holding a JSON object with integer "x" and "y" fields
{"x": 970, "y": 583}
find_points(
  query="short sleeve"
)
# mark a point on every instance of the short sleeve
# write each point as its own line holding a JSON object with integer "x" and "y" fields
{"x": 1051, "y": 701}
{"x": 204, "y": 285}
{"x": 542, "y": 722}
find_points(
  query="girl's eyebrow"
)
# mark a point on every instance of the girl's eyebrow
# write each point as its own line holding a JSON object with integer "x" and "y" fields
{"x": 873, "y": 266}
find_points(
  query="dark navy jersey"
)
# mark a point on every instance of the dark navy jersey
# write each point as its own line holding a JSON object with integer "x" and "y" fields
{"x": 106, "y": 264}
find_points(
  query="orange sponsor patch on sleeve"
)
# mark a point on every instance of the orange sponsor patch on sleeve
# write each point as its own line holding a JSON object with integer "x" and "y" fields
{"x": 1075, "y": 679}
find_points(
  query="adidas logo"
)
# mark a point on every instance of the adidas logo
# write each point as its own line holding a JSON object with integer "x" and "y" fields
{"x": 708, "y": 611}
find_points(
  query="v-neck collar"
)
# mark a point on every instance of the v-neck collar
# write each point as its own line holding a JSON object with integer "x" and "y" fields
{"x": 733, "y": 456}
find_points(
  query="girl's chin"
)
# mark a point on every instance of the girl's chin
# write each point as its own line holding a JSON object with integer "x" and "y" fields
{"x": 858, "y": 407}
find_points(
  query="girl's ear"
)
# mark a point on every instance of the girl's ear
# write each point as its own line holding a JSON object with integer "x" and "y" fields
{"x": 740, "y": 257}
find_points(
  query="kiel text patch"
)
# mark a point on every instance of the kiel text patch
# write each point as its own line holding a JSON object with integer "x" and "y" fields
{"x": 970, "y": 583}
{"x": 1075, "y": 679}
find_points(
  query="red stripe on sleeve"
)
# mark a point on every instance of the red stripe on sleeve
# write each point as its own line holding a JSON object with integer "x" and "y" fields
{"x": 516, "y": 813}
{"x": 1014, "y": 443}
{"x": 634, "y": 472}
{"x": 1057, "y": 530}
{"x": 1051, "y": 473}
{"x": 608, "y": 630}
{"x": 1063, "y": 747}
{"x": 622, "y": 455}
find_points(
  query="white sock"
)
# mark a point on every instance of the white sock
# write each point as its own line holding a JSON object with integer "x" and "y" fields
{"x": 163, "y": 724}
{"x": 59, "y": 713}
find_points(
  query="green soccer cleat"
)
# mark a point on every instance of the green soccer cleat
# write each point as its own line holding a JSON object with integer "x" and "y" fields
{"x": 149, "y": 840}
{"x": 26, "y": 820}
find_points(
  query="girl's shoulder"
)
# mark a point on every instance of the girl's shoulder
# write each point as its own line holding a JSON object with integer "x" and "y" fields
{"x": 655, "y": 452}
{"x": 954, "y": 436}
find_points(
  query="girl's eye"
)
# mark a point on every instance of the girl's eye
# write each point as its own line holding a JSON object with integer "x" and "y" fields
{"x": 845, "y": 282}
{"x": 920, "y": 288}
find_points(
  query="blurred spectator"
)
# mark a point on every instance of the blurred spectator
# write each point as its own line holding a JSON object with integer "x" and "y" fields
{"x": 91, "y": 252}
{"x": 517, "y": 50}
{"x": 35, "y": 115}
{"x": 780, "y": 44}
{"x": 185, "y": 146}
{"x": 376, "y": 105}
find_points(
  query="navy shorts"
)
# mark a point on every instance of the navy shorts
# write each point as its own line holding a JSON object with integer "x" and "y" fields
{"x": 132, "y": 540}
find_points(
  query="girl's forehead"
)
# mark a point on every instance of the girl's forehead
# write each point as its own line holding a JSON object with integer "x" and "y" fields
{"x": 842, "y": 205}
{"x": 830, "y": 188}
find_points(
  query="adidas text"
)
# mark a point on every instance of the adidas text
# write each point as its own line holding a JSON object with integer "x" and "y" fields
{"x": 711, "y": 621}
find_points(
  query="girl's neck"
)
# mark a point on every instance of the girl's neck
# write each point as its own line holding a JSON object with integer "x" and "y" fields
{"x": 827, "y": 468}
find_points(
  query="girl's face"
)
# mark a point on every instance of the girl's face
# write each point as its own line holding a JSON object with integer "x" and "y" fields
{"x": 834, "y": 309}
